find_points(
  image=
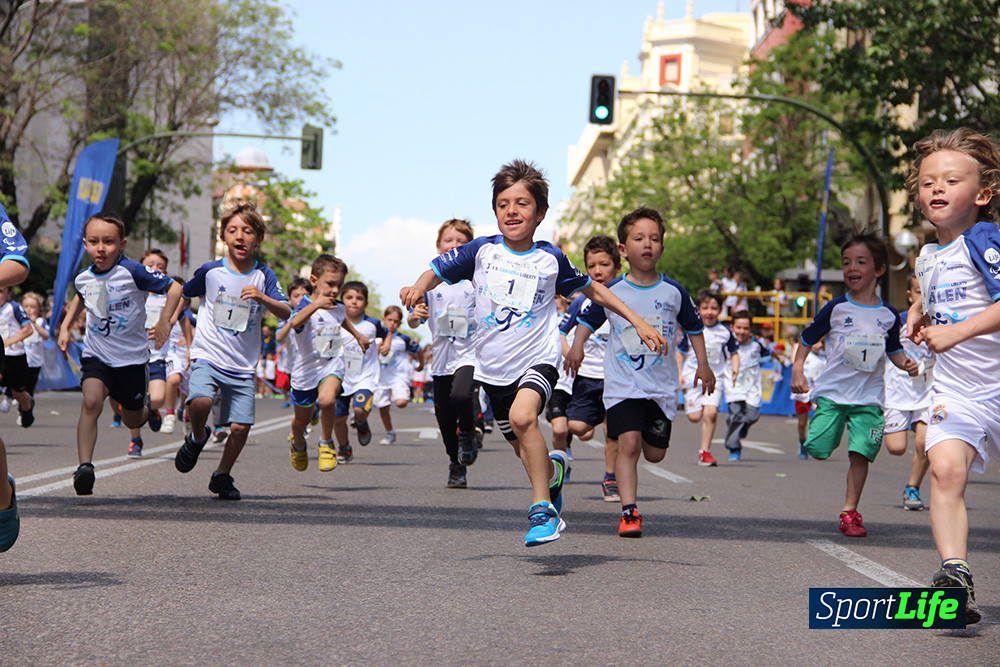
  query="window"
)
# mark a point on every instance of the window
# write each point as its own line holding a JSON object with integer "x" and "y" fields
{"x": 670, "y": 69}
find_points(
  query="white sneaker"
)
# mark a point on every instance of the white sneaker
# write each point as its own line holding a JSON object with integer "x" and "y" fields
{"x": 169, "y": 421}
{"x": 389, "y": 439}
{"x": 5, "y": 403}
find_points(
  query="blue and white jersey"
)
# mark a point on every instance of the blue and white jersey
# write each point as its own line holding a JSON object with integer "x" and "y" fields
{"x": 720, "y": 346}
{"x": 746, "y": 385}
{"x": 12, "y": 320}
{"x": 592, "y": 365}
{"x": 903, "y": 392}
{"x": 396, "y": 366}
{"x": 959, "y": 281}
{"x": 361, "y": 369}
{"x": 632, "y": 370}
{"x": 13, "y": 247}
{"x": 812, "y": 368}
{"x": 228, "y": 332}
{"x": 857, "y": 339}
{"x": 33, "y": 345}
{"x": 515, "y": 302}
{"x": 318, "y": 347}
{"x": 452, "y": 321}
{"x": 116, "y": 311}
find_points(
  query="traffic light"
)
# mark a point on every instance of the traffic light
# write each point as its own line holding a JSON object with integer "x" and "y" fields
{"x": 312, "y": 147}
{"x": 602, "y": 99}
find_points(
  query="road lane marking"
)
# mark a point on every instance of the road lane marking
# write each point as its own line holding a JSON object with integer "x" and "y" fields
{"x": 869, "y": 568}
{"x": 766, "y": 447}
{"x": 130, "y": 464}
{"x": 666, "y": 474}
{"x": 423, "y": 433}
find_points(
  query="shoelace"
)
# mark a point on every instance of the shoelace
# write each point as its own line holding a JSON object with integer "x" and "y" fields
{"x": 540, "y": 517}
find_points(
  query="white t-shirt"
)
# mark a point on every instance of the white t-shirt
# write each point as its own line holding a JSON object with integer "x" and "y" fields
{"x": 154, "y": 306}
{"x": 116, "y": 311}
{"x": 857, "y": 339}
{"x": 396, "y": 365}
{"x": 746, "y": 385}
{"x": 903, "y": 392}
{"x": 12, "y": 320}
{"x": 720, "y": 346}
{"x": 450, "y": 307}
{"x": 592, "y": 365}
{"x": 812, "y": 367}
{"x": 632, "y": 370}
{"x": 515, "y": 302}
{"x": 318, "y": 346}
{"x": 361, "y": 369}
{"x": 33, "y": 345}
{"x": 228, "y": 332}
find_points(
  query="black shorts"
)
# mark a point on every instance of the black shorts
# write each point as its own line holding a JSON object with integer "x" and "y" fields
{"x": 587, "y": 403}
{"x": 556, "y": 407}
{"x": 126, "y": 384}
{"x": 539, "y": 378}
{"x": 643, "y": 415}
{"x": 33, "y": 373}
{"x": 16, "y": 375}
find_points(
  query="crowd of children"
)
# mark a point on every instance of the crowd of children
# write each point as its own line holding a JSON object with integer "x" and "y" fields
{"x": 616, "y": 355}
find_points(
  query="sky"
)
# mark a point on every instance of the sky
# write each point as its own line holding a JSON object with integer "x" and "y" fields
{"x": 434, "y": 96}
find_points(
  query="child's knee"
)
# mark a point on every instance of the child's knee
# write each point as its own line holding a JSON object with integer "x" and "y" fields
{"x": 654, "y": 454}
{"x": 522, "y": 419}
{"x": 401, "y": 403}
{"x": 694, "y": 417}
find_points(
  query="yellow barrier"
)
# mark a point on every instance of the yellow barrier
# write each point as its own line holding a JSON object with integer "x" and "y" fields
{"x": 780, "y": 304}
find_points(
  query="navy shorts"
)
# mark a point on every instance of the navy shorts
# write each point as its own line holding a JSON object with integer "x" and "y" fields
{"x": 361, "y": 399}
{"x": 158, "y": 370}
{"x": 539, "y": 378}
{"x": 587, "y": 402}
{"x": 126, "y": 384}
{"x": 643, "y": 415}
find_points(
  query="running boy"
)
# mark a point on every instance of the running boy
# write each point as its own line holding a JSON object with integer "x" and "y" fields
{"x": 516, "y": 279}
{"x": 116, "y": 344}
{"x": 34, "y": 352}
{"x": 859, "y": 331}
{"x": 954, "y": 179}
{"x": 723, "y": 359}
{"x": 396, "y": 372}
{"x": 743, "y": 393}
{"x": 907, "y": 407}
{"x": 640, "y": 388}
{"x": 234, "y": 292}
{"x": 15, "y": 328}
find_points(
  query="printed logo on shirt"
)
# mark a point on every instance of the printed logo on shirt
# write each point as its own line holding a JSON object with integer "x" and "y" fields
{"x": 9, "y": 230}
{"x": 848, "y": 321}
{"x": 991, "y": 255}
{"x": 939, "y": 414}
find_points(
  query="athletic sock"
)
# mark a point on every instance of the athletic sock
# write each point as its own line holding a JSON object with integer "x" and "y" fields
{"x": 609, "y": 477}
{"x": 960, "y": 563}
{"x": 629, "y": 508}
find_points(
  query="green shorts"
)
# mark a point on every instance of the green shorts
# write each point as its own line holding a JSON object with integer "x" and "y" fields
{"x": 864, "y": 423}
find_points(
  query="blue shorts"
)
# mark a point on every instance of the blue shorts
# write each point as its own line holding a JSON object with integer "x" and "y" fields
{"x": 361, "y": 400}
{"x": 305, "y": 398}
{"x": 236, "y": 402}
{"x": 158, "y": 370}
{"x": 587, "y": 402}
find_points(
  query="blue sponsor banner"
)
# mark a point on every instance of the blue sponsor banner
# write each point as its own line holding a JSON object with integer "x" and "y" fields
{"x": 886, "y": 608}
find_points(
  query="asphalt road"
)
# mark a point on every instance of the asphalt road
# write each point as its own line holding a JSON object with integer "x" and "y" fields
{"x": 377, "y": 562}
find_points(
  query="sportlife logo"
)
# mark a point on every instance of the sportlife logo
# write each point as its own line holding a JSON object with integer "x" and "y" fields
{"x": 886, "y": 608}
{"x": 9, "y": 230}
{"x": 991, "y": 256}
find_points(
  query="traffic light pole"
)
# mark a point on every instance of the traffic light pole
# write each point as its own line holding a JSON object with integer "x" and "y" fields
{"x": 165, "y": 135}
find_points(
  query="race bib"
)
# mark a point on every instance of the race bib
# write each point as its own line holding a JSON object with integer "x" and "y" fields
{"x": 635, "y": 346}
{"x": 862, "y": 351}
{"x": 328, "y": 343}
{"x": 95, "y": 298}
{"x": 353, "y": 361}
{"x": 925, "y": 378}
{"x": 926, "y": 273}
{"x": 714, "y": 354}
{"x": 454, "y": 323}
{"x": 512, "y": 283}
{"x": 153, "y": 312}
{"x": 231, "y": 313}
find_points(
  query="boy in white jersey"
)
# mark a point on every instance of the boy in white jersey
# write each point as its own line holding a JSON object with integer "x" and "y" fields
{"x": 586, "y": 404}
{"x": 450, "y": 314}
{"x": 955, "y": 179}
{"x": 361, "y": 370}
{"x": 743, "y": 393}
{"x": 907, "y": 406}
{"x": 516, "y": 280}
{"x": 31, "y": 304}
{"x": 116, "y": 343}
{"x": 640, "y": 388}
{"x": 154, "y": 259}
{"x": 396, "y": 372}
{"x": 15, "y": 328}
{"x": 234, "y": 292}
{"x": 724, "y": 359}
{"x": 317, "y": 361}
{"x": 859, "y": 331}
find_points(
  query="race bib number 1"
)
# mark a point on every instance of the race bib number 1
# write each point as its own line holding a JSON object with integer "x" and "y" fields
{"x": 635, "y": 346}
{"x": 95, "y": 298}
{"x": 353, "y": 361}
{"x": 863, "y": 351}
{"x": 230, "y": 312}
{"x": 328, "y": 344}
{"x": 454, "y": 323}
{"x": 512, "y": 283}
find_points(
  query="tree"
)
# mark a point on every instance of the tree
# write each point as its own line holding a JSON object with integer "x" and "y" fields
{"x": 128, "y": 69}
{"x": 940, "y": 56}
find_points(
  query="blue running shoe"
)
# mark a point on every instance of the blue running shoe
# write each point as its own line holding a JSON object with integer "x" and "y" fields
{"x": 911, "y": 498}
{"x": 734, "y": 455}
{"x": 545, "y": 524}
{"x": 803, "y": 454}
{"x": 561, "y": 464}
{"x": 10, "y": 522}
{"x": 116, "y": 421}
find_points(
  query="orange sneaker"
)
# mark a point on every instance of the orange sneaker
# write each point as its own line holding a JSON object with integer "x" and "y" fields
{"x": 850, "y": 524}
{"x": 631, "y": 524}
{"x": 706, "y": 459}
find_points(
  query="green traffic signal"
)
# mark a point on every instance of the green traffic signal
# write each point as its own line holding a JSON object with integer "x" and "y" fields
{"x": 801, "y": 301}
{"x": 602, "y": 99}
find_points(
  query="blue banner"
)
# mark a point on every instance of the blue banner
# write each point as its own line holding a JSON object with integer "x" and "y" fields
{"x": 91, "y": 179}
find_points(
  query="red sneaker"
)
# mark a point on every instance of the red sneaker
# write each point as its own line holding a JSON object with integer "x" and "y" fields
{"x": 850, "y": 524}
{"x": 705, "y": 458}
{"x": 631, "y": 525}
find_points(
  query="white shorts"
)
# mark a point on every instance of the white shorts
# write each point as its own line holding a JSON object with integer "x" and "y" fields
{"x": 176, "y": 362}
{"x": 269, "y": 369}
{"x": 397, "y": 391}
{"x": 974, "y": 422}
{"x": 695, "y": 400}
{"x": 903, "y": 420}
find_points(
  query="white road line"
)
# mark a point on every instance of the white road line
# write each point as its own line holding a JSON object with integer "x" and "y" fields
{"x": 130, "y": 464}
{"x": 766, "y": 447}
{"x": 423, "y": 433}
{"x": 869, "y": 568}
{"x": 666, "y": 474}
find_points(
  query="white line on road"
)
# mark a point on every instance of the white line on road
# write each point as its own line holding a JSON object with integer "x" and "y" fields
{"x": 130, "y": 464}
{"x": 766, "y": 447}
{"x": 666, "y": 474}
{"x": 425, "y": 433}
{"x": 869, "y": 568}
